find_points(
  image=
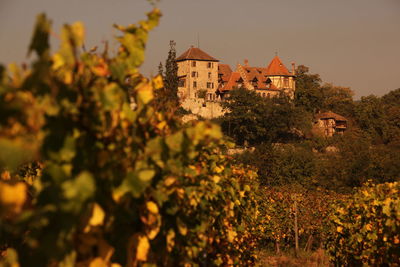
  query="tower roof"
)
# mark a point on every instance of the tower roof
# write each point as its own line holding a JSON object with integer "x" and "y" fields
{"x": 276, "y": 68}
{"x": 224, "y": 70}
{"x": 194, "y": 53}
{"x": 330, "y": 115}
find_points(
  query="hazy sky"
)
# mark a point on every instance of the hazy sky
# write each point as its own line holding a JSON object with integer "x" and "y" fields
{"x": 353, "y": 43}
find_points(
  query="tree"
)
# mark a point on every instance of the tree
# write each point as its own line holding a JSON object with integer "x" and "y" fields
{"x": 392, "y": 98}
{"x": 167, "y": 97}
{"x": 161, "y": 70}
{"x": 391, "y": 103}
{"x": 251, "y": 119}
{"x": 338, "y": 99}
{"x": 308, "y": 90}
{"x": 282, "y": 165}
{"x": 371, "y": 118}
{"x": 171, "y": 79}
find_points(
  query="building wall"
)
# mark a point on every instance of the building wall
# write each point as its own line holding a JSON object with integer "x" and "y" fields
{"x": 201, "y": 77}
{"x": 267, "y": 93}
{"x": 324, "y": 127}
{"x": 203, "y": 108}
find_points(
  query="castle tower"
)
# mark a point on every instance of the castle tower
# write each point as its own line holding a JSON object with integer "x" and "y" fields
{"x": 280, "y": 76}
{"x": 198, "y": 74}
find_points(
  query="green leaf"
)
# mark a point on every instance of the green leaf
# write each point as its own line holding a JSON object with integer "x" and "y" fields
{"x": 175, "y": 141}
{"x": 77, "y": 191}
{"x": 40, "y": 38}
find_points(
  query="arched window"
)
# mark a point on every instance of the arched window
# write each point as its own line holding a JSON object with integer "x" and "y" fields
{"x": 263, "y": 94}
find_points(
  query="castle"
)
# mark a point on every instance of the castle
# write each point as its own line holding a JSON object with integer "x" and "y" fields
{"x": 204, "y": 82}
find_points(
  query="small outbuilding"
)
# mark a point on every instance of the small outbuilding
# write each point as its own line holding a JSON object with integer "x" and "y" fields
{"x": 329, "y": 123}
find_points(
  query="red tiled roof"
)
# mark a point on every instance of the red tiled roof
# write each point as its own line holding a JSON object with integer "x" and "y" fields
{"x": 235, "y": 77}
{"x": 276, "y": 67}
{"x": 232, "y": 82}
{"x": 225, "y": 71}
{"x": 195, "y": 54}
{"x": 330, "y": 115}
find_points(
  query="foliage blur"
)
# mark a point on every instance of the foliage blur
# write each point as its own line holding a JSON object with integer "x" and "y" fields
{"x": 94, "y": 174}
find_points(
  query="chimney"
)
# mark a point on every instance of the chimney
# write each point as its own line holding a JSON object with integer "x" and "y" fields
{"x": 246, "y": 62}
{"x": 293, "y": 68}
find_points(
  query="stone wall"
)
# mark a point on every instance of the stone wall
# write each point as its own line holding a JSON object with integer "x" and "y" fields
{"x": 202, "y": 108}
{"x": 204, "y": 74}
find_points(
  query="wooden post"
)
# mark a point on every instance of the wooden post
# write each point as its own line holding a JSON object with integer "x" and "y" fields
{"x": 296, "y": 230}
{"x": 278, "y": 249}
{"x": 309, "y": 243}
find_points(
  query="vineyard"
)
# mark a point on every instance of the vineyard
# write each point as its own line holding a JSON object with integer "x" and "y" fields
{"x": 94, "y": 174}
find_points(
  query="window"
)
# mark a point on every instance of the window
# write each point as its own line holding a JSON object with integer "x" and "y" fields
{"x": 194, "y": 74}
{"x": 181, "y": 83}
{"x": 194, "y": 84}
{"x": 209, "y": 65}
{"x": 269, "y": 95}
{"x": 209, "y": 75}
{"x": 208, "y": 85}
{"x": 263, "y": 94}
{"x": 286, "y": 82}
{"x": 193, "y": 63}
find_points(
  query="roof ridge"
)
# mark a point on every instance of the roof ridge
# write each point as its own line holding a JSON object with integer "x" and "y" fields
{"x": 194, "y": 53}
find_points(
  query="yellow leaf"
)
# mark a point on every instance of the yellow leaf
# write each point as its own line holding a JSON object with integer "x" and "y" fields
{"x": 216, "y": 179}
{"x": 161, "y": 125}
{"x": 58, "y": 61}
{"x": 339, "y": 229}
{"x": 181, "y": 227}
{"x": 68, "y": 77}
{"x": 158, "y": 82}
{"x": 97, "y": 262}
{"x": 219, "y": 169}
{"x": 170, "y": 240}
{"x": 101, "y": 68}
{"x": 152, "y": 207}
{"x": 169, "y": 181}
{"x": 79, "y": 31}
{"x": 142, "y": 248}
{"x": 145, "y": 93}
{"x": 13, "y": 197}
{"x": 97, "y": 215}
{"x": 231, "y": 235}
{"x": 153, "y": 232}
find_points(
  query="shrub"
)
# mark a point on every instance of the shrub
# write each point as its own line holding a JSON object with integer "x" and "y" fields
{"x": 366, "y": 228}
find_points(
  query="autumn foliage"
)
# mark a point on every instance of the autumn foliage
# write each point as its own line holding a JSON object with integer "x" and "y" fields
{"x": 94, "y": 175}
{"x": 366, "y": 228}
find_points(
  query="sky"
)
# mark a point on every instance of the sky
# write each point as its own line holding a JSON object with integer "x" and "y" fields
{"x": 352, "y": 43}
